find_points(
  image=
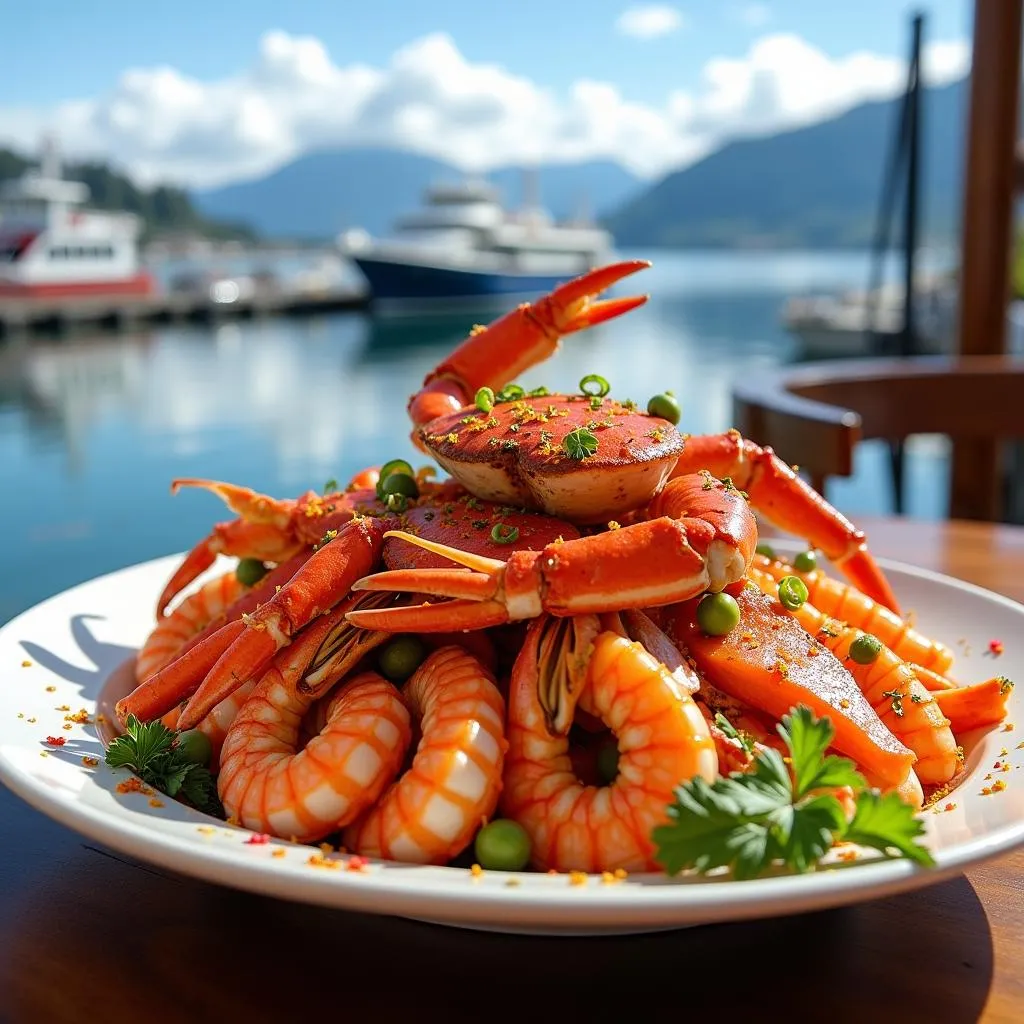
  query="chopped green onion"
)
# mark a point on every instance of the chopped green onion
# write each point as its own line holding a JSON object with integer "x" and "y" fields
{"x": 580, "y": 443}
{"x": 792, "y": 592}
{"x": 485, "y": 399}
{"x": 510, "y": 393}
{"x": 504, "y": 534}
{"x": 587, "y": 386}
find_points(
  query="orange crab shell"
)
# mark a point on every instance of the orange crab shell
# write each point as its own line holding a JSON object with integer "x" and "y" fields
{"x": 516, "y": 454}
{"x": 466, "y": 523}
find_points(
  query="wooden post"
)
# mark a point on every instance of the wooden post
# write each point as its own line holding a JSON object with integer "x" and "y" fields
{"x": 987, "y": 230}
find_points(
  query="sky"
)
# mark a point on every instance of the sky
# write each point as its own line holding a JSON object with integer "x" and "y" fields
{"x": 201, "y": 93}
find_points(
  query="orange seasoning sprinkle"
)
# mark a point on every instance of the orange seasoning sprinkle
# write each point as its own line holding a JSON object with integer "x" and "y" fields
{"x": 476, "y": 871}
{"x": 577, "y": 878}
{"x": 90, "y": 762}
{"x": 847, "y": 854}
{"x": 257, "y": 839}
{"x": 56, "y": 741}
{"x": 51, "y": 689}
{"x": 131, "y": 785}
{"x": 356, "y": 863}
{"x": 26, "y": 664}
{"x": 63, "y": 707}
{"x": 154, "y": 802}
{"x": 995, "y": 648}
{"x": 278, "y": 851}
{"x": 319, "y": 861}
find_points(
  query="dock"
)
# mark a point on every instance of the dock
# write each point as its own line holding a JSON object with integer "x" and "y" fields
{"x": 116, "y": 313}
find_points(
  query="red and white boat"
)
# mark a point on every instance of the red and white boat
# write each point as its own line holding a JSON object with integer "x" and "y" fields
{"x": 50, "y": 246}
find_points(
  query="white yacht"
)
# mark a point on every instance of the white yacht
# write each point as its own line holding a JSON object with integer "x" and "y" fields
{"x": 462, "y": 244}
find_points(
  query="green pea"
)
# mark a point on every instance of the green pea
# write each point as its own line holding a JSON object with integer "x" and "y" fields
{"x": 195, "y": 747}
{"x": 766, "y": 550}
{"x": 400, "y": 657}
{"x": 806, "y": 561}
{"x": 865, "y": 649}
{"x": 502, "y": 845}
{"x": 792, "y": 592}
{"x": 717, "y": 614}
{"x": 608, "y": 760}
{"x": 665, "y": 407}
{"x": 250, "y": 571}
{"x": 399, "y": 483}
{"x": 393, "y": 466}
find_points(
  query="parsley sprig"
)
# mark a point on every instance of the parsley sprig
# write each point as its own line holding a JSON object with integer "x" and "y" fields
{"x": 776, "y": 813}
{"x": 150, "y": 752}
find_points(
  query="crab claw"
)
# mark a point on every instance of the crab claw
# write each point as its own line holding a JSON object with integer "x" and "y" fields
{"x": 262, "y": 531}
{"x": 494, "y": 355}
{"x": 572, "y": 307}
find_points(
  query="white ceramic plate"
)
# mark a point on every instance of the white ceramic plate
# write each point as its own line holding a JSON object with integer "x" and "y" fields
{"x": 62, "y": 652}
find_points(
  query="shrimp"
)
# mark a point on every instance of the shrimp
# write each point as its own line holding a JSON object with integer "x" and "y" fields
{"x": 269, "y": 787}
{"x": 433, "y": 811}
{"x": 844, "y": 602}
{"x": 216, "y": 724}
{"x": 904, "y": 706}
{"x": 663, "y": 740}
{"x": 191, "y": 616}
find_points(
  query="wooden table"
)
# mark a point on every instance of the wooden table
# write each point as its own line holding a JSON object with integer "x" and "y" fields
{"x": 90, "y": 935}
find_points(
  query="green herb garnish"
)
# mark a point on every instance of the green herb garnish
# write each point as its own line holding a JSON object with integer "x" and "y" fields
{"x": 743, "y": 738}
{"x": 151, "y": 753}
{"x": 580, "y": 443}
{"x": 777, "y": 814}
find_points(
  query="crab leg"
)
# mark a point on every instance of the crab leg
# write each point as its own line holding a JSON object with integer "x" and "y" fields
{"x": 789, "y": 502}
{"x": 709, "y": 545}
{"x": 319, "y": 585}
{"x": 270, "y": 529}
{"x": 165, "y": 689}
{"x": 494, "y": 355}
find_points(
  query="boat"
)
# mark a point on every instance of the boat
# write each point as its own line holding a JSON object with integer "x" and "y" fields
{"x": 860, "y": 323}
{"x": 52, "y": 246}
{"x": 462, "y": 246}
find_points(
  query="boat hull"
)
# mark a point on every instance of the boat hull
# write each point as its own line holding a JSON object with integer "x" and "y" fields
{"x": 392, "y": 280}
{"x": 139, "y": 284}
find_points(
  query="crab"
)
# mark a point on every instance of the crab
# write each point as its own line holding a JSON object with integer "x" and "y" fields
{"x": 596, "y": 506}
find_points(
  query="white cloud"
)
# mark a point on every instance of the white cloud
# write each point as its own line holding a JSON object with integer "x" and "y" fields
{"x": 649, "y": 21}
{"x": 754, "y": 15}
{"x": 164, "y": 125}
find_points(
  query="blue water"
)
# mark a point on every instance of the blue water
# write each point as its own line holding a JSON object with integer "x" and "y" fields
{"x": 92, "y": 430}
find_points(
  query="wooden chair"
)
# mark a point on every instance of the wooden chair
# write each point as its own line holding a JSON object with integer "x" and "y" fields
{"x": 815, "y": 414}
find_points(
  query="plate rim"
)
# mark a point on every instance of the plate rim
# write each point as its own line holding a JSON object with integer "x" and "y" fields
{"x": 649, "y": 898}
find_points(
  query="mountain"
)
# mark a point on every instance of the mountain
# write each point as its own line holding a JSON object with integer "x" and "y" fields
{"x": 320, "y": 194}
{"x": 812, "y": 187}
{"x": 163, "y": 209}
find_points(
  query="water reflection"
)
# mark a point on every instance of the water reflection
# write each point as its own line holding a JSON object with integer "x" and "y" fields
{"x": 92, "y": 430}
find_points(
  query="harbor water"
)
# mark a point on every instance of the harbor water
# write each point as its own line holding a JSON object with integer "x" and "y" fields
{"x": 93, "y": 429}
